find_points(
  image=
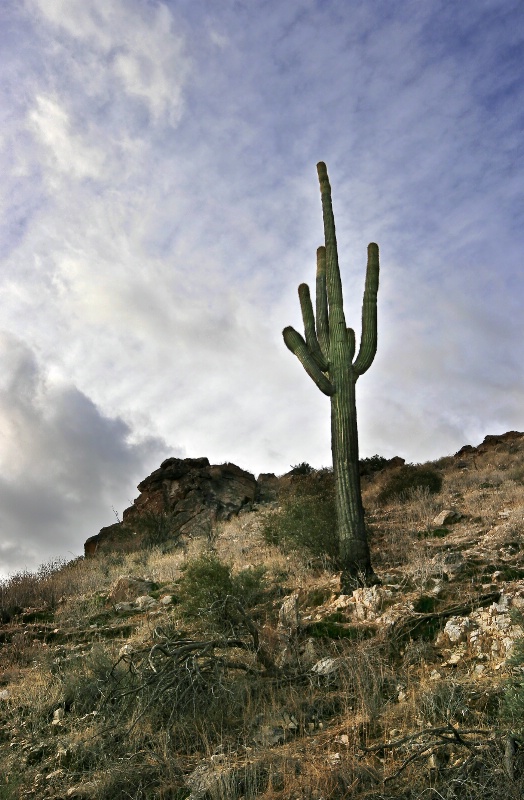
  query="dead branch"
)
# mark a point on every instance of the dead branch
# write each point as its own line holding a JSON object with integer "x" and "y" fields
{"x": 406, "y": 626}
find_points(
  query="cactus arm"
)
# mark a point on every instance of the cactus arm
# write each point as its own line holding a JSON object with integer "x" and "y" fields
{"x": 337, "y": 324}
{"x": 299, "y": 348}
{"x": 309, "y": 326}
{"x": 368, "y": 342}
{"x": 321, "y": 302}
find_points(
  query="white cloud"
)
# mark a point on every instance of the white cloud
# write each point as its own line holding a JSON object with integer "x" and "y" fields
{"x": 137, "y": 42}
{"x": 159, "y": 208}
{"x": 68, "y": 154}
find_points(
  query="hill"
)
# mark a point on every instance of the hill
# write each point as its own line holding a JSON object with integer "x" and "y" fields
{"x": 221, "y": 660}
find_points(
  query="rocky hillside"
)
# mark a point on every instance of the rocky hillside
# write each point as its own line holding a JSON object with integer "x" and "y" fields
{"x": 202, "y": 649}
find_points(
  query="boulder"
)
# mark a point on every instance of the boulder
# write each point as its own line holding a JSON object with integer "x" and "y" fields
{"x": 126, "y": 588}
{"x": 447, "y": 517}
{"x": 145, "y": 602}
{"x": 194, "y": 493}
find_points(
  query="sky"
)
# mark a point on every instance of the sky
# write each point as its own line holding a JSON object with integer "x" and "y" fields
{"x": 159, "y": 206}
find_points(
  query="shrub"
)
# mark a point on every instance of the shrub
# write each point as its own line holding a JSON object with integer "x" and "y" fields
{"x": 207, "y": 582}
{"x": 301, "y": 469}
{"x": 401, "y": 484}
{"x": 156, "y": 528}
{"x": 306, "y": 518}
{"x": 512, "y": 709}
{"x": 44, "y": 586}
{"x": 372, "y": 464}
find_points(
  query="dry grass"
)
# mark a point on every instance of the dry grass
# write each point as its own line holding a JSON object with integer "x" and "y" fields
{"x": 382, "y": 725}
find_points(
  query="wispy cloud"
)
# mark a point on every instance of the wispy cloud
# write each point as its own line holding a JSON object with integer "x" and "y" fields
{"x": 159, "y": 208}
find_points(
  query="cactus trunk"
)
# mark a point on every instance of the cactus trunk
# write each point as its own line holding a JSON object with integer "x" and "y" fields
{"x": 352, "y": 536}
{"x": 327, "y": 355}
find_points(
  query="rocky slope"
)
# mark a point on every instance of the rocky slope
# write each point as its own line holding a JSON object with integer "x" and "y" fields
{"x": 117, "y": 680}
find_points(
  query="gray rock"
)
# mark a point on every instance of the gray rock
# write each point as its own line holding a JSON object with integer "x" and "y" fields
{"x": 452, "y": 565}
{"x": 447, "y": 517}
{"x": 288, "y": 616}
{"x": 144, "y": 602}
{"x": 126, "y": 588}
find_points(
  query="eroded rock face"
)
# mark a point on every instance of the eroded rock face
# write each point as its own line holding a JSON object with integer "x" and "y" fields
{"x": 195, "y": 493}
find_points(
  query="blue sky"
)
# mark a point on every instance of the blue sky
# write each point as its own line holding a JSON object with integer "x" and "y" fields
{"x": 160, "y": 206}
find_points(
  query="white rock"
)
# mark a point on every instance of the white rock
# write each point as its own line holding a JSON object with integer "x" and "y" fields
{"x": 166, "y": 600}
{"x": 288, "y": 616}
{"x": 369, "y": 601}
{"x": 144, "y": 602}
{"x": 342, "y": 602}
{"x": 457, "y": 628}
{"x": 326, "y": 666}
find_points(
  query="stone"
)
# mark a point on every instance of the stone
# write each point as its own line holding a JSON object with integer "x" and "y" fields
{"x": 124, "y": 607}
{"x": 144, "y": 602}
{"x": 326, "y": 667}
{"x": 288, "y": 616}
{"x": 342, "y": 602}
{"x": 369, "y": 601}
{"x": 166, "y": 600}
{"x": 452, "y": 564}
{"x": 268, "y": 486}
{"x": 446, "y": 517}
{"x": 126, "y": 588}
{"x": 456, "y": 629}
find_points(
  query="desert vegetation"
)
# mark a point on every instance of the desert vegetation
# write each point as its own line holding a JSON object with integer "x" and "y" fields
{"x": 232, "y": 665}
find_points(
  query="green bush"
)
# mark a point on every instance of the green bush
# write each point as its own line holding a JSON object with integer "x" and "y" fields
{"x": 207, "y": 582}
{"x": 306, "y": 519}
{"x": 372, "y": 464}
{"x": 401, "y": 484}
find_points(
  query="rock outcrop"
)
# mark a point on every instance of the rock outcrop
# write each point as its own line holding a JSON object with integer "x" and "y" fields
{"x": 504, "y": 442}
{"x": 196, "y": 495}
{"x": 193, "y": 492}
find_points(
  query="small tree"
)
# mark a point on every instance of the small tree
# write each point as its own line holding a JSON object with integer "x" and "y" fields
{"x": 327, "y": 355}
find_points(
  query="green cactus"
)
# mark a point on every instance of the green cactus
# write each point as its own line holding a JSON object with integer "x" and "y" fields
{"x": 327, "y": 354}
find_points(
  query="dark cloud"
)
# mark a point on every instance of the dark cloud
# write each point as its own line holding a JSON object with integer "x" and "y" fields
{"x": 64, "y": 465}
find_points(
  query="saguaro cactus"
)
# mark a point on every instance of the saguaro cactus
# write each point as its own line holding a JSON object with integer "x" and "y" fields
{"x": 328, "y": 355}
